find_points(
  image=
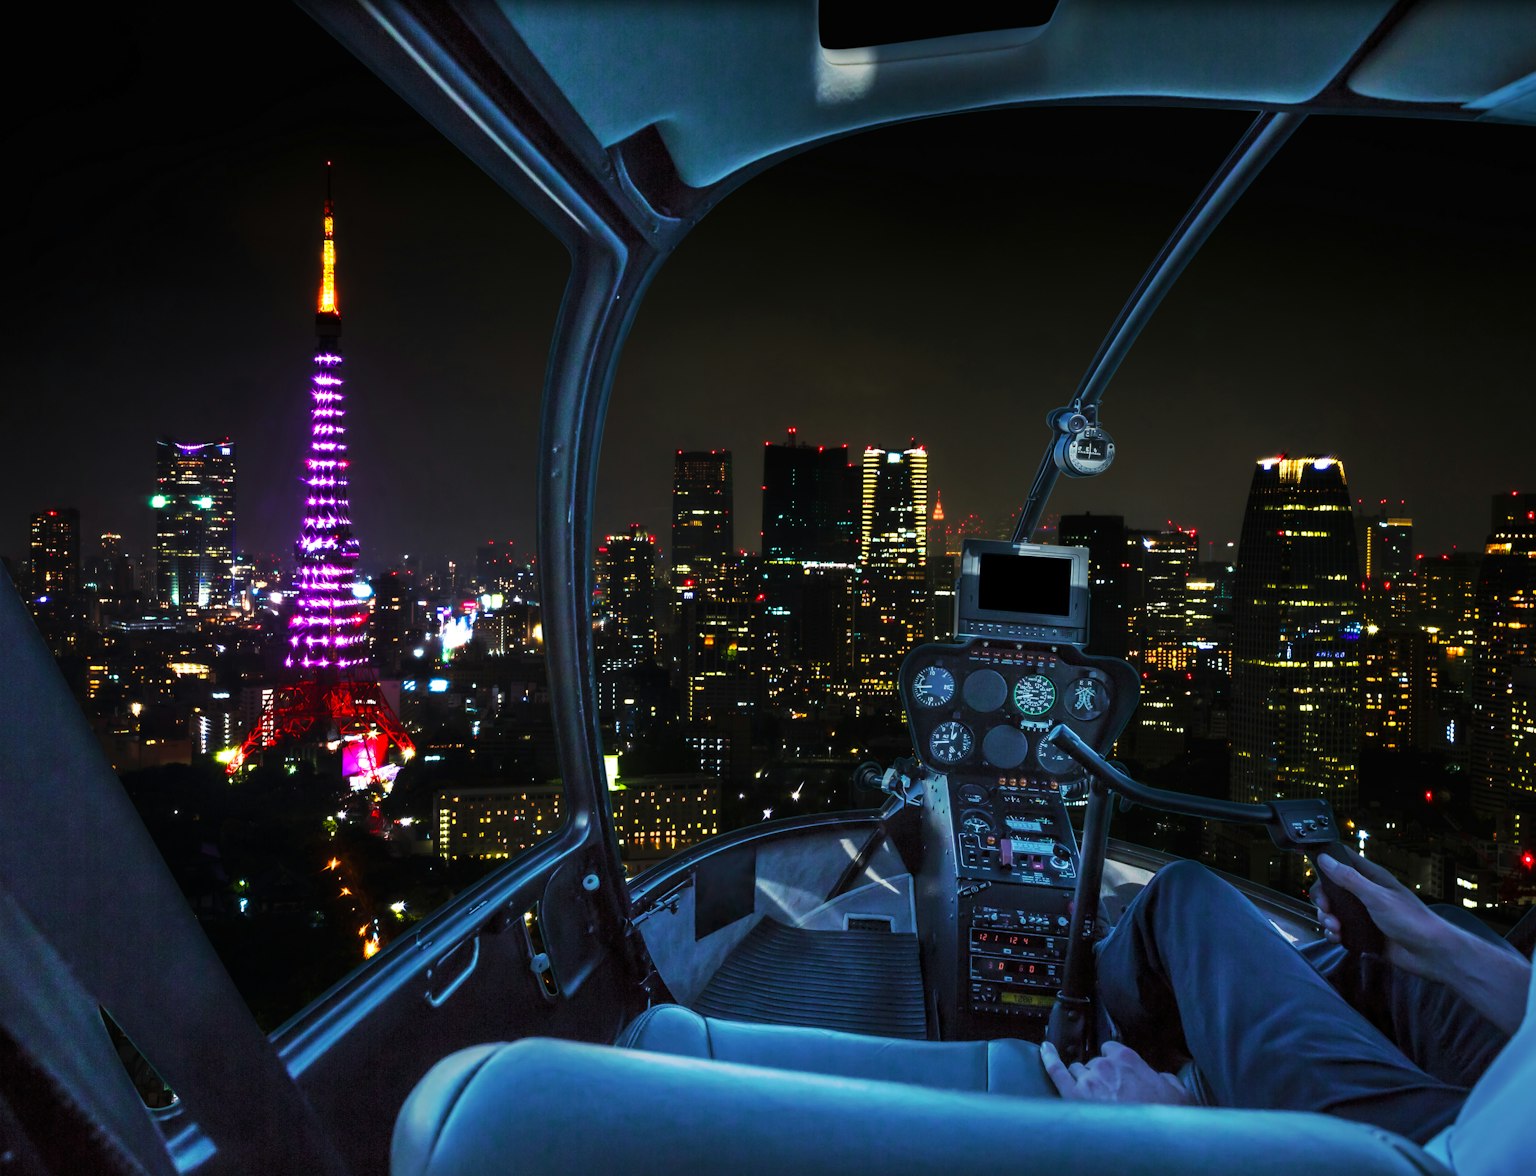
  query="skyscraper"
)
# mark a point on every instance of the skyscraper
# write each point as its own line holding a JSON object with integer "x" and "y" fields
{"x": 626, "y": 577}
{"x": 1109, "y": 608}
{"x": 1394, "y": 652}
{"x": 809, "y": 503}
{"x": 1167, "y": 563}
{"x": 703, "y": 533}
{"x": 892, "y": 613}
{"x": 1296, "y": 670}
{"x": 55, "y": 553}
{"x": 194, "y": 504}
{"x": 810, "y": 547}
{"x": 1503, "y": 749}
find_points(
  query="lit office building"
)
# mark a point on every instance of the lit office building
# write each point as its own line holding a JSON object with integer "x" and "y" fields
{"x": 703, "y": 534}
{"x": 1109, "y": 607}
{"x": 655, "y": 816}
{"x": 1395, "y": 655}
{"x": 1504, "y": 653}
{"x": 1296, "y": 670}
{"x": 810, "y": 548}
{"x": 55, "y": 553}
{"x": 1167, "y": 565}
{"x": 892, "y": 612}
{"x": 194, "y": 505}
{"x": 1447, "y": 616}
{"x": 626, "y": 580}
{"x": 496, "y": 823}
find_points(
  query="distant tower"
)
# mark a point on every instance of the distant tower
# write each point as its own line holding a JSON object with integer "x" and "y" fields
{"x": 335, "y": 697}
{"x": 194, "y": 504}
{"x": 1296, "y": 669}
{"x": 703, "y": 535}
{"x": 892, "y": 614}
{"x": 626, "y": 576}
{"x": 1109, "y": 608}
{"x": 809, "y": 503}
{"x": 810, "y": 546}
{"x": 1504, "y": 667}
{"x": 55, "y": 552}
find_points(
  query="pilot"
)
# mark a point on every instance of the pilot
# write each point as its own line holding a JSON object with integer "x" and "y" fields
{"x": 1409, "y": 1040}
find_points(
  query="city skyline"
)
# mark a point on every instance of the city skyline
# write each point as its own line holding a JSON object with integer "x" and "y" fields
{"x": 1358, "y": 289}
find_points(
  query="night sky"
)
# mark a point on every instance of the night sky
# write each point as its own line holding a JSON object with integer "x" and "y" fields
{"x": 949, "y": 282}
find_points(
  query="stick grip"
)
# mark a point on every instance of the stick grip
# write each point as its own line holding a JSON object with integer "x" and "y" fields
{"x": 1357, "y": 931}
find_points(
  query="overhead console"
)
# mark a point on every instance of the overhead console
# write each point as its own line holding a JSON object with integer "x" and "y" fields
{"x": 995, "y": 888}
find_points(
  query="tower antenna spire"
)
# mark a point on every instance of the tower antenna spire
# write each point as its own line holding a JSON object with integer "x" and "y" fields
{"x": 328, "y": 317}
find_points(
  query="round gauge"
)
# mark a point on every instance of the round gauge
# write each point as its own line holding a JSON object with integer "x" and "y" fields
{"x": 1087, "y": 698}
{"x": 1005, "y": 747}
{"x": 950, "y": 742}
{"x": 985, "y": 690}
{"x": 978, "y": 824}
{"x": 1034, "y": 695}
{"x": 1082, "y": 455}
{"x": 1053, "y": 760}
{"x": 973, "y": 794}
{"x": 933, "y": 686}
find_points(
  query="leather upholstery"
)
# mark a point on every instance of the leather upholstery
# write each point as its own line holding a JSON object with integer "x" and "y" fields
{"x": 540, "y": 1107}
{"x": 997, "y": 1067}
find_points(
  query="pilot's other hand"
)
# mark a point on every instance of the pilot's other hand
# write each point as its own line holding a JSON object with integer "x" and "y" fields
{"x": 1118, "y": 1074}
{"x": 1415, "y": 935}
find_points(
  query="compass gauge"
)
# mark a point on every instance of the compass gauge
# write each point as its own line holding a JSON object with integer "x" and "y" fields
{"x": 1034, "y": 695}
{"x": 950, "y": 742}
{"x": 933, "y": 686}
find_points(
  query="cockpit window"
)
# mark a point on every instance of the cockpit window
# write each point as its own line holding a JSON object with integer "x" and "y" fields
{"x": 287, "y": 558}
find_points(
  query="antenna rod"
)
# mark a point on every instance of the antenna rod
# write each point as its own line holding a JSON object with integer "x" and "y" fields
{"x": 1264, "y": 137}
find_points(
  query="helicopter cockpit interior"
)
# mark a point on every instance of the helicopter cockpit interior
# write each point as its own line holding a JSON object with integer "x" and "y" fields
{"x": 844, "y": 991}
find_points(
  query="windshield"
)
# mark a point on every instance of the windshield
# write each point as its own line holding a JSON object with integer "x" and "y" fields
{"x": 842, "y": 374}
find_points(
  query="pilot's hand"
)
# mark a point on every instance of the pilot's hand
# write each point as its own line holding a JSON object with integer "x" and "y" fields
{"x": 1118, "y": 1074}
{"x": 1416, "y": 937}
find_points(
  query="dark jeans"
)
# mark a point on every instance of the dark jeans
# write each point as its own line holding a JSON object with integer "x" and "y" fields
{"x": 1194, "y": 971}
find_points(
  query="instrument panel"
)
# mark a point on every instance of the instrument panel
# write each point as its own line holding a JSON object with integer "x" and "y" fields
{"x": 997, "y": 896}
{"x": 984, "y": 706}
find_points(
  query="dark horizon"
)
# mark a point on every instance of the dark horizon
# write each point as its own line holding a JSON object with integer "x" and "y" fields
{"x": 1371, "y": 284}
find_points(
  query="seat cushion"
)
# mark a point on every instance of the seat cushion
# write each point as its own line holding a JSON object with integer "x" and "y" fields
{"x": 557, "y": 1108}
{"x": 1005, "y": 1066}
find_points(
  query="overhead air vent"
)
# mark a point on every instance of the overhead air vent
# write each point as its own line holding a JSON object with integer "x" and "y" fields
{"x": 858, "y": 24}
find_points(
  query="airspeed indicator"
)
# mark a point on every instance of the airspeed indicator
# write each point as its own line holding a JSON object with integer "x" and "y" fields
{"x": 1034, "y": 695}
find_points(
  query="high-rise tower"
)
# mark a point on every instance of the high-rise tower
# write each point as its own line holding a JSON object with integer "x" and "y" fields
{"x": 1296, "y": 669}
{"x": 892, "y": 614}
{"x": 335, "y": 697}
{"x": 55, "y": 551}
{"x": 703, "y": 536}
{"x": 810, "y": 546}
{"x": 194, "y": 504}
{"x": 1504, "y": 669}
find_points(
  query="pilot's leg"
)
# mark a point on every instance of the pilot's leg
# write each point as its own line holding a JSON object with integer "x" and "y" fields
{"x": 1192, "y": 968}
{"x": 1430, "y": 1022}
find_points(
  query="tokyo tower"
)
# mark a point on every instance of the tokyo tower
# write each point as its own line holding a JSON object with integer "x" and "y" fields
{"x": 332, "y": 694}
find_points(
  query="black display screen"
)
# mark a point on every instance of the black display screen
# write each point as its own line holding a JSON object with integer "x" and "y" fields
{"x": 1025, "y": 584}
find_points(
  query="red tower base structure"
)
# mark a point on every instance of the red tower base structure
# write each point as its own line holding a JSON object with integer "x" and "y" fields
{"x": 349, "y": 711}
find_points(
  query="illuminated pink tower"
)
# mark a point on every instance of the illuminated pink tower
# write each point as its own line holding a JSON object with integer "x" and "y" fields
{"x": 333, "y": 697}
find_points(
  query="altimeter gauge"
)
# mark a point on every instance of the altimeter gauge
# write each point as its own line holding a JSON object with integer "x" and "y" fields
{"x": 950, "y": 742}
{"x": 933, "y": 686}
{"x": 1034, "y": 695}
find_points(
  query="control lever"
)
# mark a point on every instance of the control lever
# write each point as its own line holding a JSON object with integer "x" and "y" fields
{"x": 1357, "y": 930}
{"x": 895, "y": 781}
